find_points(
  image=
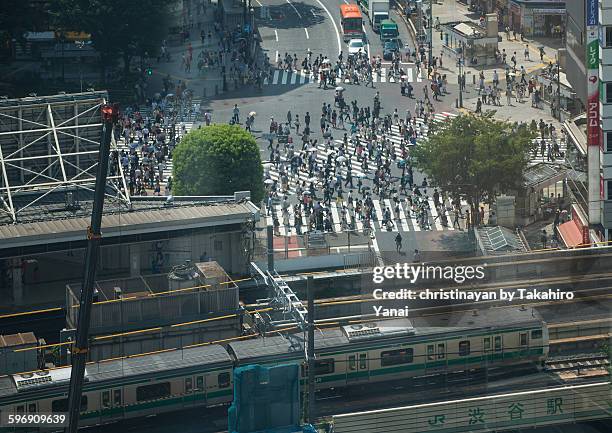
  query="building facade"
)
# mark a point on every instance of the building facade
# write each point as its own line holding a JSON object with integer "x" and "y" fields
{"x": 589, "y": 71}
{"x": 605, "y": 113}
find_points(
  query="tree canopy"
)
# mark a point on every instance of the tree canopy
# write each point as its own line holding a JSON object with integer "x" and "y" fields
{"x": 475, "y": 157}
{"x": 218, "y": 160}
{"x": 117, "y": 28}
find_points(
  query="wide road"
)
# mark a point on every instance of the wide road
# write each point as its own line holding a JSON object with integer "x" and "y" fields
{"x": 294, "y": 27}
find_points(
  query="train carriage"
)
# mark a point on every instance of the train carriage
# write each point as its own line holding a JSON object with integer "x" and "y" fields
{"x": 360, "y": 353}
{"x": 127, "y": 388}
{"x": 402, "y": 348}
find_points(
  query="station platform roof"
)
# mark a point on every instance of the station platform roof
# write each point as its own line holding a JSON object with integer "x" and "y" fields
{"x": 148, "y": 218}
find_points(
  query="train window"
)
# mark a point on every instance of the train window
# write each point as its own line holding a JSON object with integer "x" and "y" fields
{"x": 32, "y": 408}
{"x": 21, "y": 408}
{"x": 153, "y": 392}
{"x": 106, "y": 399}
{"x": 352, "y": 362}
{"x": 223, "y": 379}
{"x": 324, "y": 366}
{"x": 464, "y": 348}
{"x": 498, "y": 343}
{"x": 188, "y": 385}
{"x": 394, "y": 357}
{"x": 363, "y": 361}
{"x": 61, "y": 405}
{"x": 200, "y": 383}
{"x": 117, "y": 397}
{"x": 536, "y": 334}
{"x": 486, "y": 344}
{"x": 441, "y": 351}
{"x": 523, "y": 338}
{"x": 430, "y": 352}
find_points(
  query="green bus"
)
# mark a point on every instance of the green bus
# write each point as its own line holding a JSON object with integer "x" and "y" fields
{"x": 388, "y": 30}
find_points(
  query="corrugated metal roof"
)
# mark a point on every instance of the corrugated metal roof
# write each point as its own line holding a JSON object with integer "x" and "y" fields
{"x": 141, "y": 221}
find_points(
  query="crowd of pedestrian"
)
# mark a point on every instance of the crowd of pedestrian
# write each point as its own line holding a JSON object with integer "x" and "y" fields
{"x": 354, "y": 173}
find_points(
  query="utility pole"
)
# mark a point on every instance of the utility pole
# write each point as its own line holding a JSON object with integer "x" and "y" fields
{"x": 430, "y": 32}
{"x": 80, "y": 348}
{"x": 559, "y": 88}
{"x": 460, "y": 81}
{"x": 311, "y": 351}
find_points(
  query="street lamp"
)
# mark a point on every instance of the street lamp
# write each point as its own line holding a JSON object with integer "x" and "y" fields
{"x": 80, "y": 45}
{"x": 460, "y": 80}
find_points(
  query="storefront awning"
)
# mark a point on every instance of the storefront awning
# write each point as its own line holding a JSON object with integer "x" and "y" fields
{"x": 571, "y": 235}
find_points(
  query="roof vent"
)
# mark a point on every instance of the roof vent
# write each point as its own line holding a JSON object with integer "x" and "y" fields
{"x": 377, "y": 330}
{"x": 43, "y": 378}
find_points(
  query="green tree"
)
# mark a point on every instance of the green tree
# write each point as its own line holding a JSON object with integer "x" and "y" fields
{"x": 218, "y": 160}
{"x": 118, "y": 29}
{"x": 475, "y": 157}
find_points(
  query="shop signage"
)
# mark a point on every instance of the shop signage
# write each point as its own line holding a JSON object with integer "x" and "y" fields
{"x": 549, "y": 11}
{"x": 592, "y": 60}
{"x": 592, "y": 12}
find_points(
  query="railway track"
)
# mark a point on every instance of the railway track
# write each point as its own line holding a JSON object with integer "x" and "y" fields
{"x": 579, "y": 362}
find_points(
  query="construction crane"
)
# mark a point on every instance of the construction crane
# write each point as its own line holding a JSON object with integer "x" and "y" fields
{"x": 110, "y": 115}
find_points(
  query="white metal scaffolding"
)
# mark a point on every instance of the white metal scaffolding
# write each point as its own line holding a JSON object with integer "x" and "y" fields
{"x": 49, "y": 145}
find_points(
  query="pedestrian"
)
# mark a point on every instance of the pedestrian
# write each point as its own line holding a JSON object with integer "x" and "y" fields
{"x": 236, "y": 114}
{"x": 478, "y": 106}
{"x": 417, "y": 256}
{"x": 526, "y": 51}
{"x": 398, "y": 242}
{"x": 543, "y": 238}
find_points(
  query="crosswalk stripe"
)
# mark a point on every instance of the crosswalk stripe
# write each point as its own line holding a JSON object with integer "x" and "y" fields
{"x": 413, "y": 220}
{"x": 275, "y": 78}
{"x": 303, "y": 78}
{"x": 285, "y": 76}
{"x": 335, "y": 217}
{"x": 279, "y": 215}
{"x": 294, "y": 76}
{"x": 379, "y": 214}
{"x": 434, "y": 214}
{"x": 394, "y": 217}
{"x": 383, "y": 75}
{"x": 404, "y": 218}
{"x": 409, "y": 75}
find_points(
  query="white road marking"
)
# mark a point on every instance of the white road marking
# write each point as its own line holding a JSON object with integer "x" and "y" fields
{"x": 258, "y": 2}
{"x": 404, "y": 220}
{"x": 294, "y": 76}
{"x": 312, "y": 11}
{"x": 276, "y": 36}
{"x": 275, "y": 78}
{"x": 393, "y": 216}
{"x": 306, "y": 30}
{"x": 366, "y": 38}
{"x": 276, "y": 58}
{"x": 333, "y": 22}
{"x": 296, "y": 11}
{"x": 285, "y": 76}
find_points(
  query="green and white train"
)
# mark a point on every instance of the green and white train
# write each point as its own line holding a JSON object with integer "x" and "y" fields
{"x": 361, "y": 353}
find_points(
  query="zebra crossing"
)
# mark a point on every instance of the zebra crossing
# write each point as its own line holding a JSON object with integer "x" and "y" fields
{"x": 321, "y": 153}
{"x": 539, "y": 157}
{"x": 293, "y": 78}
{"x": 167, "y": 172}
{"x": 343, "y": 216}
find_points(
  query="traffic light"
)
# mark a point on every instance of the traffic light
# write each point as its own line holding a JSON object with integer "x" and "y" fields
{"x": 149, "y": 71}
